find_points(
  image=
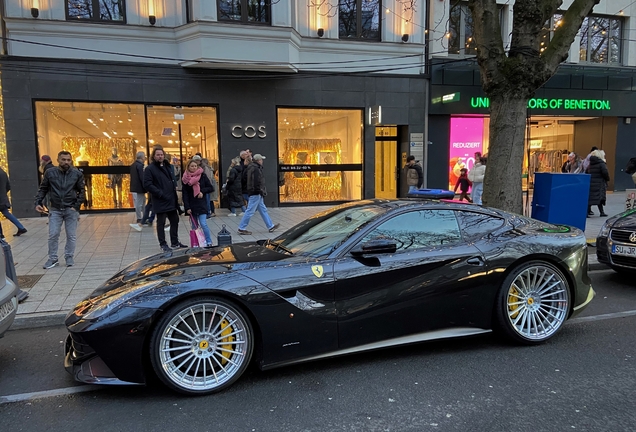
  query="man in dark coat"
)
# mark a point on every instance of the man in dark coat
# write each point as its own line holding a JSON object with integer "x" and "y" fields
{"x": 256, "y": 190}
{"x": 160, "y": 183}
{"x": 137, "y": 188}
{"x": 235, "y": 187}
{"x": 599, "y": 176}
{"x": 5, "y": 204}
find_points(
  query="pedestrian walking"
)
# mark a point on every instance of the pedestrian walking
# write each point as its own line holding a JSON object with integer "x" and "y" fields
{"x": 414, "y": 174}
{"x": 476, "y": 177}
{"x": 234, "y": 187}
{"x": 574, "y": 164}
{"x": 196, "y": 187}
{"x": 463, "y": 184}
{"x": 256, "y": 190}
{"x": 214, "y": 195}
{"x": 45, "y": 164}
{"x": 159, "y": 181}
{"x": 65, "y": 188}
{"x": 599, "y": 176}
{"x": 246, "y": 159}
{"x": 137, "y": 188}
{"x": 5, "y": 204}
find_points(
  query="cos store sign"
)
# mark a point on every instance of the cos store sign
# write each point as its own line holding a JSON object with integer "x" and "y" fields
{"x": 239, "y": 131}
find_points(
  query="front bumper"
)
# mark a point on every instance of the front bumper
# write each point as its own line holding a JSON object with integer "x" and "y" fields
{"x": 603, "y": 255}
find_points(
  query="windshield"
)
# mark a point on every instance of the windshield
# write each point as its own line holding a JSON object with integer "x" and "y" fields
{"x": 321, "y": 234}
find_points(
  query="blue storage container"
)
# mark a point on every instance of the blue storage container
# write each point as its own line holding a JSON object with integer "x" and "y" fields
{"x": 561, "y": 198}
{"x": 432, "y": 194}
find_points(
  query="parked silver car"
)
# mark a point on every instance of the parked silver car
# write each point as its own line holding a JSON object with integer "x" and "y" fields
{"x": 8, "y": 296}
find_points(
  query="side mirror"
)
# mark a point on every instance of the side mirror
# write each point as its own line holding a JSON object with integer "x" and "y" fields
{"x": 371, "y": 247}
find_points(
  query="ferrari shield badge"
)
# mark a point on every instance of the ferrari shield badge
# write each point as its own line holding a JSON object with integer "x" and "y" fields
{"x": 317, "y": 269}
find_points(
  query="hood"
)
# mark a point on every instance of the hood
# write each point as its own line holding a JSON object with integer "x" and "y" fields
{"x": 625, "y": 220}
{"x": 188, "y": 264}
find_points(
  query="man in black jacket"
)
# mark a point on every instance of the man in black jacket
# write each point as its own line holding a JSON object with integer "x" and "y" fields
{"x": 160, "y": 182}
{"x": 255, "y": 182}
{"x": 64, "y": 186}
{"x": 137, "y": 188}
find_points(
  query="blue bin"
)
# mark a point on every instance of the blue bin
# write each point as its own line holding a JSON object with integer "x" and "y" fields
{"x": 432, "y": 194}
{"x": 561, "y": 198}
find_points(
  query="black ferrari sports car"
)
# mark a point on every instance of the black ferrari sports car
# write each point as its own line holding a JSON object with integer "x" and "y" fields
{"x": 616, "y": 242}
{"x": 360, "y": 276}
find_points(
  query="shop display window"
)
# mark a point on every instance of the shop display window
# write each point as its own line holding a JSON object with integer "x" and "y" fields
{"x": 320, "y": 155}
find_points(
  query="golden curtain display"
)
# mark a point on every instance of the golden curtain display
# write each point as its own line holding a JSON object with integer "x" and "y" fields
{"x": 318, "y": 185}
{"x": 96, "y": 152}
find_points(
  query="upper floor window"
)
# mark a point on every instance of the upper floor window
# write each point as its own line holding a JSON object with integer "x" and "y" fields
{"x": 359, "y": 19}
{"x": 460, "y": 29}
{"x": 601, "y": 40}
{"x": 247, "y": 11}
{"x": 96, "y": 10}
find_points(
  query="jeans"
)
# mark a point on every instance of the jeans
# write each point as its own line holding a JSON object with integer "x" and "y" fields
{"x": 12, "y": 218}
{"x": 202, "y": 219}
{"x": 174, "y": 227}
{"x": 478, "y": 191}
{"x": 68, "y": 216}
{"x": 233, "y": 209}
{"x": 140, "y": 200}
{"x": 255, "y": 203}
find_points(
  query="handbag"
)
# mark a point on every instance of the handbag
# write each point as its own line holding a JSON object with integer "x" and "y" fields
{"x": 197, "y": 237}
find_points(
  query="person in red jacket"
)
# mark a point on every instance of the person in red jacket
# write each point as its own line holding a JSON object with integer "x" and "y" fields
{"x": 463, "y": 184}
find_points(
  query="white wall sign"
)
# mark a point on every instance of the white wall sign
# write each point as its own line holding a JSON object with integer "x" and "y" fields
{"x": 416, "y": 146}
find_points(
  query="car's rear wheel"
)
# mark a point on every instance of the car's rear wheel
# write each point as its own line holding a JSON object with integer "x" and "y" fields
{"x": 533, "y": 302}
{"x": 201, "y": 345}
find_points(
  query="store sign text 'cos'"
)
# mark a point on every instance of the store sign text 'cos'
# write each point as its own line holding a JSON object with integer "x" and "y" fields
{"x": 239, "y": 131}
{"x": 554, "y": 103}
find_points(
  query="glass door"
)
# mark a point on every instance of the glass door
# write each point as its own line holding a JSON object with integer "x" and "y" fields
{"x": 386, "y": 162}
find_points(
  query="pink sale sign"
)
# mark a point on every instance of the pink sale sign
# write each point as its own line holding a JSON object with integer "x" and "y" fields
{"x": 466, "y": 138}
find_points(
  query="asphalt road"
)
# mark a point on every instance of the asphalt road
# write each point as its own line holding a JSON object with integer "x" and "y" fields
{"x": 584, "y": 379}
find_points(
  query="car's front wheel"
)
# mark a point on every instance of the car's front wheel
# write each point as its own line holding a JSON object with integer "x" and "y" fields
{"x": 201, "y": 345}
{"x": 533, "y": 302}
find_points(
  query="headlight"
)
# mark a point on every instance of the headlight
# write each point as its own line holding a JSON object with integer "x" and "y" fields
{"x": 115, "y": 298}
{"x": 605, "y": 230}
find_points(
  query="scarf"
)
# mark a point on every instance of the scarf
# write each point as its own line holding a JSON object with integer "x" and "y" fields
{"x": 193, "y": 179}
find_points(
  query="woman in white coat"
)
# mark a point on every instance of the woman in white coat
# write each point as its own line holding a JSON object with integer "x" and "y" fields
{"x": 476, "y": 175}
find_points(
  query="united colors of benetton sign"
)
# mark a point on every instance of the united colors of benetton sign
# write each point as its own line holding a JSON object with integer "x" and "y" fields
{"x": 554, "y": 103}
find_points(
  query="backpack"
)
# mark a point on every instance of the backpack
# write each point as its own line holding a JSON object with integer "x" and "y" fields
{"x": 631, "y": 166}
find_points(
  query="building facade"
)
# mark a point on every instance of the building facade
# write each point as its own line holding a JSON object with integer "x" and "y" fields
{"x": 331, "y": 93}
{"x": 590, "y": 102}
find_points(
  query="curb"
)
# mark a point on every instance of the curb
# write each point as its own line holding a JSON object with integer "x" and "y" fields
{"x": 38, "y": 319}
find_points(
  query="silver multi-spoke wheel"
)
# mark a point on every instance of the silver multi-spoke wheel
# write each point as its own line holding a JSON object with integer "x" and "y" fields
{"x": 536, "y": 302}
{"x": 202, "y": 346}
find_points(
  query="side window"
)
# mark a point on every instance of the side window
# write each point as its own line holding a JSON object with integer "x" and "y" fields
{"x": 419, "y": 229}
{"x": 476, "y": 225}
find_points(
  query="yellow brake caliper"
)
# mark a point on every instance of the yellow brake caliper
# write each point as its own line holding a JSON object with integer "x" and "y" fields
{"x": 512, "y": 299}
{"x": 226, "y": 330}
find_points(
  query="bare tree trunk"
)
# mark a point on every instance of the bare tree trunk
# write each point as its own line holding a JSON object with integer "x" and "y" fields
{"x": 502, "y": 183}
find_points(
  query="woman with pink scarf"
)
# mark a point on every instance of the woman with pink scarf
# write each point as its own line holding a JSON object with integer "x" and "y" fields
{"x": 195, "y": 187}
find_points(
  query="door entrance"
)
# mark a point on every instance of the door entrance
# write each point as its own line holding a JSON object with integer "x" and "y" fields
{"x": 386, "y": 158}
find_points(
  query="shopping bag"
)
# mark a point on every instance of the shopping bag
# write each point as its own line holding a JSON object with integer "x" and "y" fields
{"x": 197, "y": 237}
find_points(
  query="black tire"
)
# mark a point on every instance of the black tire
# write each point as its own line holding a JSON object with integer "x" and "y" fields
{"x": 533, "y": 303}
{"x": 198, "y": 359}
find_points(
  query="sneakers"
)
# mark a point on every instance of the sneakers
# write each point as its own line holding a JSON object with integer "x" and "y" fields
{"x": 166, "y": 248}
{"x": 179, "y": 246}
{"x": 274, "y": 228}
{"x": 244, "y": 232}
{"x": 232, "y": 214}
{"x": 136, "y": 227}
{"x": 20, "y": 232}
{"x": 167, "y": 228}
{"x": 50, "y": 263}
{"x": 147, "y": 223}
{"x": 241, "y": 213}
{"x": 70, "y": 262}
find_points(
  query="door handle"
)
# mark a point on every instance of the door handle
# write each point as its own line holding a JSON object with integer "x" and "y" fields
{"x": 476, "y": 261}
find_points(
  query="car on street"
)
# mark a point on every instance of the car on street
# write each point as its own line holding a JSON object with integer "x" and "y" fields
{"x": 8, "y": 296}
{"x": 616, "y": 242}
{"x": 360, "y": 276}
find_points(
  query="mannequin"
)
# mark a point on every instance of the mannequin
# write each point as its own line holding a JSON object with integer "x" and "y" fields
{"x": 116, "y": 180}
{"x": 84, "y": 160}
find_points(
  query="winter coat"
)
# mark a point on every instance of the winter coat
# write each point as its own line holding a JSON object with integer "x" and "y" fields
{"x": 255, "y": 179}
{"x": 137, "y": 177}
{"x": 414, "y": 175}
{"x": 64, "y": 188}
{"x": 476, "y": 175}
{"x": 209, "y": 172}
{"x": 198, "y": 206}
{"x": 234, "y": 187}
{"x": 160, "y": 182}
{"x": 244, "y": 177}
{"x": 599, "y": 176}
{"x": 5, "y": 187}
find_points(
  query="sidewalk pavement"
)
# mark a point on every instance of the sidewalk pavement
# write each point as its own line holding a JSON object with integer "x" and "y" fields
{"x": 106, "y": 244}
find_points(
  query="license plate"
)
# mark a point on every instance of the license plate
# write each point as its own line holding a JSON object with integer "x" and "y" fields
{"x": 624, "y": 250}
{"x": 6, "y": 309}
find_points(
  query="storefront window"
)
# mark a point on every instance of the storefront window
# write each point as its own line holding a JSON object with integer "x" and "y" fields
{"x": 468, "y": 135}
{"x": 320, "y": 155}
